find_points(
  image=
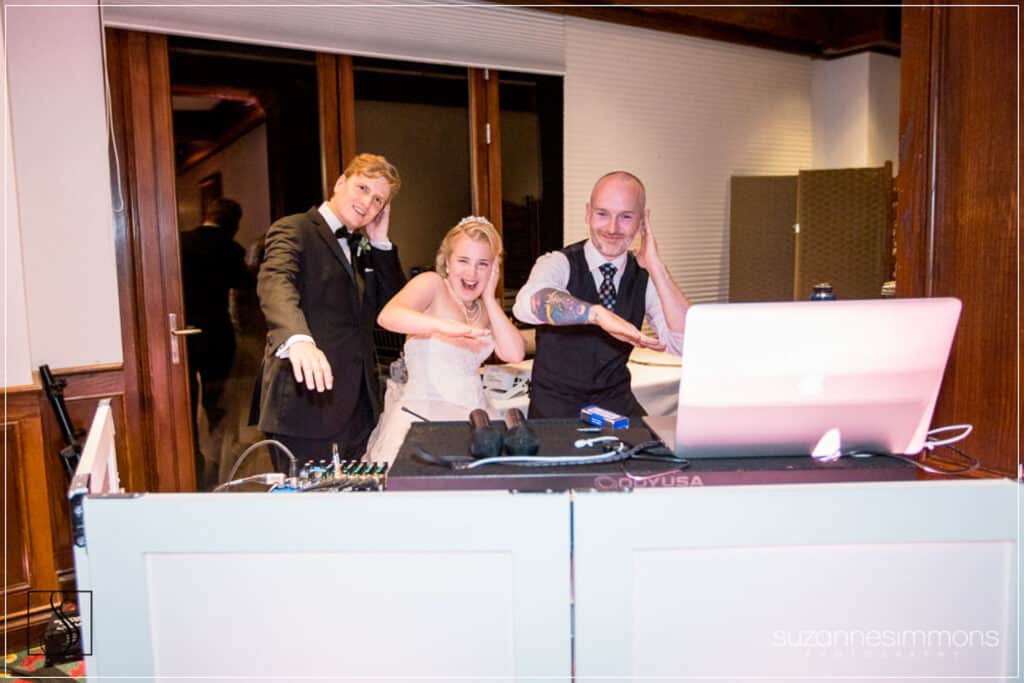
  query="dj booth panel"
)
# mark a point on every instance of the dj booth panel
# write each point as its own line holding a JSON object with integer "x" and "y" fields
{"x": 281, "y": 586}
{"x": 875, "y": 580}
{"x": 788, "y": 581}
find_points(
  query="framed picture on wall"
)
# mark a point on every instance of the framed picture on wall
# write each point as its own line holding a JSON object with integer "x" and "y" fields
{"x": 209, "y": 190}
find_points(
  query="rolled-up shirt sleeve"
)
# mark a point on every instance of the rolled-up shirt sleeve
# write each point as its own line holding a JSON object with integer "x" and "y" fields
{"x": 550, "y": 271}
{"x": 656, "y": 319}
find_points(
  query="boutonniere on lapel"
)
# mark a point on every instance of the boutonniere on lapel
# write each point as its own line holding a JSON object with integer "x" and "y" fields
{"x": 364, "y": 246}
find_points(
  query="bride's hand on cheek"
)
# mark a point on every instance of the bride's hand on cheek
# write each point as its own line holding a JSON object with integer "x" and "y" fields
{"x": 491, "y": 290}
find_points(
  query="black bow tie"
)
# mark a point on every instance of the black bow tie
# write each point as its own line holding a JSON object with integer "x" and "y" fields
{"x": 353, "y": 238}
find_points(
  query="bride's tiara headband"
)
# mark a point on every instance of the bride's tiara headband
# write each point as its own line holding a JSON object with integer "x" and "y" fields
{"x": 473, "y": 219}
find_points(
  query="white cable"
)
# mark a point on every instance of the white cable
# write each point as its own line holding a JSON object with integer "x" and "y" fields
{"x": 264, "y": 442}
{"x": 273, "y": 479}
{"x": 933, "y": 444}
{"x": 112, "y": 138}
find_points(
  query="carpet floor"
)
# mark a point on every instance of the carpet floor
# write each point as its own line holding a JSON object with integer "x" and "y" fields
{"x": 22, "y": 666}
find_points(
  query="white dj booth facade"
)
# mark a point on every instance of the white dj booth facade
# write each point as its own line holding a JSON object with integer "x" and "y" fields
{"x": 799, "y": 581}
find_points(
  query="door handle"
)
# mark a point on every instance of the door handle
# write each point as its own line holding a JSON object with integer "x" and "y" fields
{"x": 172, "y": 319}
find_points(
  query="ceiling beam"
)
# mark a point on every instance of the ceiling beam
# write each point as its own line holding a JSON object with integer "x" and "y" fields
{"x": 813, "y": 31}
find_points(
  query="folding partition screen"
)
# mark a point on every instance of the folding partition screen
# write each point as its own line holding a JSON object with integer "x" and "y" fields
{"x": 845, "y": 236}
{"x": 761, "y": 215}
{"x": 788, "y": 233}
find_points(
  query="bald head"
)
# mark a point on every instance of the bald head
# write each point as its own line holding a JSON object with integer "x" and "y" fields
{"x": 623, "y": 177}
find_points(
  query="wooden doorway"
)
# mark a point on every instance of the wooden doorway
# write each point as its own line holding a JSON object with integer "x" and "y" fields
{"x": 147, "y": 244}
{"x": 146, "y": 247}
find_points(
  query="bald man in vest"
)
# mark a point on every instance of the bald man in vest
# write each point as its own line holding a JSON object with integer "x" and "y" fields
{"x": 589, "y": 302}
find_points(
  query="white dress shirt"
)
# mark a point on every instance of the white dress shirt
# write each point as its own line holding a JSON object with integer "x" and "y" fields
{"x": 552, "y": 270}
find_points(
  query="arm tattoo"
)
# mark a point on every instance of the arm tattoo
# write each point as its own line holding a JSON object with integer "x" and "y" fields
{"x": 556, "y": 307}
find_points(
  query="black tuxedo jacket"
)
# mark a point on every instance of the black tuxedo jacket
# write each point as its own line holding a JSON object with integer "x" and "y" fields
{"x": 307, "y": 286}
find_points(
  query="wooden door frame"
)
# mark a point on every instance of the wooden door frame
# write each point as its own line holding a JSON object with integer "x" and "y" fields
{"x": 337, "y": 114}
{"x": 485, "y": 151}
{"x": 148, "y": 259}
{"x": 146, "y": 230}
{"x": 959, "y": 218}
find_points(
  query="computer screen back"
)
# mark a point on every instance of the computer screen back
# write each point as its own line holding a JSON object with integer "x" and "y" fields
{"x": 775, "y": 378}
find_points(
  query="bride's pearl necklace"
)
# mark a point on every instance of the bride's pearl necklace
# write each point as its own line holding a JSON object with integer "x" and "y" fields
{"x": 470, "y": 311}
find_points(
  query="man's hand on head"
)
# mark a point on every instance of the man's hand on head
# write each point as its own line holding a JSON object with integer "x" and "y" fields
{"x": 377, "y": 229}
{"x": 309, "y": 365}
{"x": 647, "y": 255}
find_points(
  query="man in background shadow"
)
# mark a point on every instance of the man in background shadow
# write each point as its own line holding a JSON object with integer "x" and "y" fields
{"x": 212, "y": 264}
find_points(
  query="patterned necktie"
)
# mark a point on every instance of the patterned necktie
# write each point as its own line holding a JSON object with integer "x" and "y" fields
{"x": 607, "y": 289}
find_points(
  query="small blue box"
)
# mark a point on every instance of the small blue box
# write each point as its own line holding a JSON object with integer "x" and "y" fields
{"x": 603, "y": 418}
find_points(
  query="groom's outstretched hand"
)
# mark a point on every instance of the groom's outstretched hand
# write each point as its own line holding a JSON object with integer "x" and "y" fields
{"x": 309, "y": 365}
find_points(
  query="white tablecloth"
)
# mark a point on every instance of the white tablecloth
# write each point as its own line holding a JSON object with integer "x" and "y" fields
{"x": 655, "y": 383}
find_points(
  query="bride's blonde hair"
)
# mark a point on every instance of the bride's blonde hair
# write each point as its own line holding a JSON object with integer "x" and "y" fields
{"x": 476, "y": 228}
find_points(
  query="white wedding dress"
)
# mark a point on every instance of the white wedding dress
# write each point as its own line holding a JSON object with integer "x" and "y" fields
{"x": 444, "y": 384}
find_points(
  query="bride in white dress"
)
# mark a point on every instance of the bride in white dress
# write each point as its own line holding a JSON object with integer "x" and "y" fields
{"x": 453, "y": 322}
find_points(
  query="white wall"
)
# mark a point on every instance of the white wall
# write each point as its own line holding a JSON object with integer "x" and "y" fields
{"x": 684, "y": 114}
{"x": 245, "y": 177}
{"x": 856, "y": 111}
{"x": 58, "y": 122}
{"x": 14, "y": 341}
{"x": 883, "y": 110}
{"x": 840, "y": 91}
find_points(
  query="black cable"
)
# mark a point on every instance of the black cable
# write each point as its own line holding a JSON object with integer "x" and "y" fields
{"x": 461, "y": 462}
{"x": 71, "y": 632}
{"x": 970, "y": 465}
{"x": 415, "y": 414}
{"x": 639, "y": 478}
{"x": 449, "y": 461}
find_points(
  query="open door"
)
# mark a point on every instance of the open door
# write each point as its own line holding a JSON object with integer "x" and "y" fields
{"x": 148, "y": 261}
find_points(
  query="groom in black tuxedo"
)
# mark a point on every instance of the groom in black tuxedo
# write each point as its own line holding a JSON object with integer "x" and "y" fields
{"x": 325, "y": 276}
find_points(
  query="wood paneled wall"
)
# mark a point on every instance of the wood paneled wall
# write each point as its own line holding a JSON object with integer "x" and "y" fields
{"x": 38, "y": 529}
{"x": 957, "y": 210}
{"x": 27, "y": 503}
